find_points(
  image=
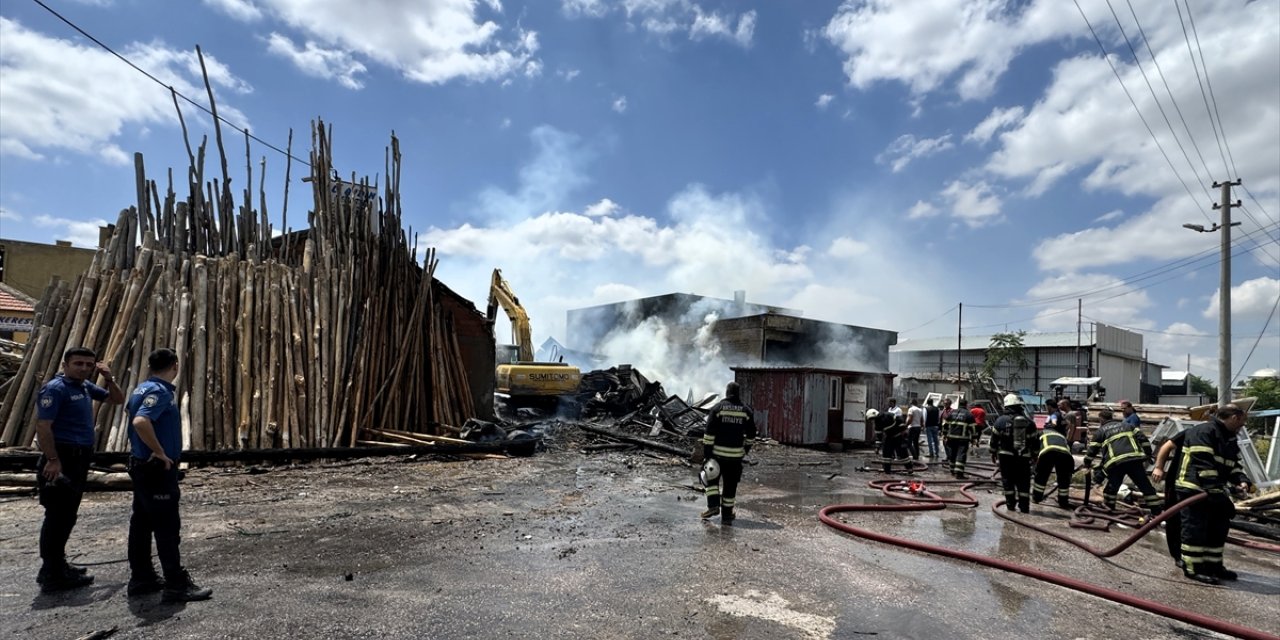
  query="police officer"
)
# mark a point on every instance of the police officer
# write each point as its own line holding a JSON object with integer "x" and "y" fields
{"x": 64, "y": 430}
{"x": 731, "y": 429}
{"x": 1013, "y": 438}
{"x": 155, "y": 437}
{"x": 1125, "y": 451}
{"x": 1210, "y": 464}
{"x": 958, "y": 432}
{"x": 1054, "y": 457}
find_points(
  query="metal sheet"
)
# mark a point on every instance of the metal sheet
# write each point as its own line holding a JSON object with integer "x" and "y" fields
{"x": 780, "y": 396}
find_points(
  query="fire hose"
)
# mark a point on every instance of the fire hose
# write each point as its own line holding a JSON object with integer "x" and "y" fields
{"x": 924, "y": 500}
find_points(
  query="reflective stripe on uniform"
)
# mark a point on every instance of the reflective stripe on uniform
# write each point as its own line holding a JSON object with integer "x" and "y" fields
{"x": 728, "y": 452}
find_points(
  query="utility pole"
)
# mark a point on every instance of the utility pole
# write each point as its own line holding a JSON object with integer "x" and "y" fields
{"x": 1079, "y": 319}
{"x": 1224, "y": 293}
{"x": 1188, "y": 374}
{"x": 959, "y": 339}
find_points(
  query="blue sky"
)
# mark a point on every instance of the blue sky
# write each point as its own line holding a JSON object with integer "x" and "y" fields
{"x": 871, "y": 163}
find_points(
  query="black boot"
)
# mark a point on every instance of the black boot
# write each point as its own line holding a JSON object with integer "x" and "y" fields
{"x": 1200, "y": 577}
{"x": 183, "y": 589}
{"x": 726, "y": 516}
{"x": 143, "y": 582}
{"x": 58, "y": 577}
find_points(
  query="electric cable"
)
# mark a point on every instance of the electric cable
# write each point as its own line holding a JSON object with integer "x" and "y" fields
{"x": 1262, "y": 333}
{"x": 167, "y": 86}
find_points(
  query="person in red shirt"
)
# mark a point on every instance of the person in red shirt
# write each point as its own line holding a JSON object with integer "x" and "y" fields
{"x": 979, "y": 417}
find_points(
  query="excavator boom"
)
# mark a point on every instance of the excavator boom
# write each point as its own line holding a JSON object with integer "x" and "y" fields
{"x": 500, "y": 293}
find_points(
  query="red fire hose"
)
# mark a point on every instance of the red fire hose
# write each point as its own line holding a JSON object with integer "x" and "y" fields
{"x": 926, "y": 500}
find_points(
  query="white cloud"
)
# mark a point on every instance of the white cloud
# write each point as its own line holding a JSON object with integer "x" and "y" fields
{"x": 1115, "y": 303}
{"x": 81, "y": 233}
{"x": 242, "y": 10}
{"x": 505, "y": 124}
{"x": 999, "y": 119}
{"x": 975, "y": 204}
{"x": 601, "y": 209}
{"x": 1114, "y": 214}
{"x": 907, "y": 147}
{"x": 665, "y": 18}
{"x": 720, "y": 25}
{"x": 63, "y": 96}
{"x": 317, "y": 61}
{"x": 589, "y": 8}
{"x": 922, "y": 209}
{"x": 1249, "y": 299}
{"x": 569, "y": 74}
{"x": 845, "y": 247}
{"x": 824, "y": 100}
{"x": 548, "y": 180}
{"x": 927, "y": 43}
{"x": 620, "y": 104}
{"x": 427, "y": 42}
{"x": 8, "y": 214}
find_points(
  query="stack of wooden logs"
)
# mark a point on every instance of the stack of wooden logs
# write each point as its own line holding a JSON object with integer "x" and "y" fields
{"x": 301, "y": 340}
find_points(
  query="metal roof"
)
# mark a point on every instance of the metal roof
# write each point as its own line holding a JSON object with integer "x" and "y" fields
{"x": 981, "y": 343}
{"x": 804, "y": 369}
{"x": 1173, "y": 376}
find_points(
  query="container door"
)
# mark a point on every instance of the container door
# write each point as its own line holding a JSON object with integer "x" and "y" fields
{"x": 855, "y": 412}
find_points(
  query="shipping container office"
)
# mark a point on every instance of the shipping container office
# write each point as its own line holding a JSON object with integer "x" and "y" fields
{"x": 808, "y": 405}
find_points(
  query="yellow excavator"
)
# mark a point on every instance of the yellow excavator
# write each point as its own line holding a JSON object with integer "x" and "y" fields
{"x": 526, "y": 381}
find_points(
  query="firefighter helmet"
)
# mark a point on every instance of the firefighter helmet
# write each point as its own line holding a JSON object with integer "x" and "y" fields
{"x": 872, "y": 414}
{"x": 710, "y": 472}
{"x": 1013, "y": 400}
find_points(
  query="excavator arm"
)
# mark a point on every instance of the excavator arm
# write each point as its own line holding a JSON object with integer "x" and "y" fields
{"x": 521, "y": 334}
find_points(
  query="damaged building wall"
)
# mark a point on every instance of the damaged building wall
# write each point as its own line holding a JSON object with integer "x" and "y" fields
{"x": 476, "y": 343}
{"x": 807, "y": 406}
{"x": 689, "y": 341}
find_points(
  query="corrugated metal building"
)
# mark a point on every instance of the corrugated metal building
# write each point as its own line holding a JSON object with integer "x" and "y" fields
{"x": 808, "y": 405}
{"x": 747, "y": 334}
{"x": 1113, "y": 354}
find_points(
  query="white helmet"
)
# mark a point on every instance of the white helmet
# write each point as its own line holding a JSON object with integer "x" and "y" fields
{"x": 1013, "y": 400}
{"x": 872, "y": 414}
{"x": 710, "y": 472}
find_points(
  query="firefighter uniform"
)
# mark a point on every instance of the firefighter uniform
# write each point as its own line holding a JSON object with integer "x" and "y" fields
{"x": 1210, "y": 460}
{"x": 1055, "y": 456}
{"x": 1125, "y": 451}
{"x": 958, "y": 431}
{"x": 731, "y": 428}
{"x": 1013, "y": 439}
{"x": 894, "y": 433}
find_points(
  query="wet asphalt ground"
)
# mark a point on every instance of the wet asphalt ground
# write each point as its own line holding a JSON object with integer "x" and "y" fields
{"x": 566, "y": 545}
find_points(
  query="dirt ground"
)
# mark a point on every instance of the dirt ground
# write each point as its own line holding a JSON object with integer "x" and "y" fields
{"x": 608, "y": 545}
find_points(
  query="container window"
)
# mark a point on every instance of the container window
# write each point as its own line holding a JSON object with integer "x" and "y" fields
{"x": 835, "y": 394}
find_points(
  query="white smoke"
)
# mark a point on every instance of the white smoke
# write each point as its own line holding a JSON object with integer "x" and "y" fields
{"x": 663, "y": 352}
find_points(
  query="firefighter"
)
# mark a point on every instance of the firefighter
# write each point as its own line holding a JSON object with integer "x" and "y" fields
{"x": 1210, "y": 464}
{"x": 1054, "y": 456}
{"x": 1013, "y": 438}
{"x": 958, "y": 431}
{"x": 731, "y": 429}
{"x": 1125, "y": 451}
{"x": 893, "y": 430}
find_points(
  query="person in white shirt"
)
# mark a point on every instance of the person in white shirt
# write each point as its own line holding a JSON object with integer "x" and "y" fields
{"x": 915, "y": 424}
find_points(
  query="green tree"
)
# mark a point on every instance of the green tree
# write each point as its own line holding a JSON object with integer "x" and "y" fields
{"x": 1200, "y": 385}
{"x": 1266, "y": 390}
{"x": 1006, "y": 348}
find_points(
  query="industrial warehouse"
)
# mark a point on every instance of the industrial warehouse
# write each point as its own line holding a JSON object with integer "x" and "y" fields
{"x": 353, "y": 411}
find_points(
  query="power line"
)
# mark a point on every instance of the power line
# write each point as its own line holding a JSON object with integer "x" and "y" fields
{"x": 167, "y": 86}
{"x": 1141, "y": 117}
{"x": 941, "y": 316}
{"x": 1143, "y": 71}
{"x": 1156, "y": 62}
{"x": 1271, "y": 316}
{"x": 1204, "y": 94}
{"x": 1208, "y": 81}
{"x": 1261, "y": 208}
{"x": 1139, "y": 277}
